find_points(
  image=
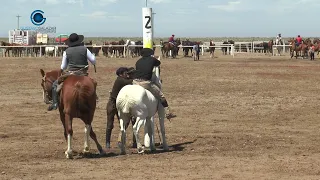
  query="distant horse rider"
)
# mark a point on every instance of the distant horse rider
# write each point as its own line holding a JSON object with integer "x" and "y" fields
{"x": 171, "y": 39}
{"x": 278, "y": 39}
{"x": 122, "y": 80}
{"x": 74, "y": 60}
{"x": 143, "y": 76}
{"x": 298, "y": 40}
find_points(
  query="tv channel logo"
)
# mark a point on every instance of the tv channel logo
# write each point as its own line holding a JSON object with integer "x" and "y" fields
{"x": 37, "y": 17}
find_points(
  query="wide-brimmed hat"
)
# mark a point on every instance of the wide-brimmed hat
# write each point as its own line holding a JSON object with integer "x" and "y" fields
{"x": 121, "y": 70}
{"x": 74, "y": 40}
{"x": 146, "y": 52}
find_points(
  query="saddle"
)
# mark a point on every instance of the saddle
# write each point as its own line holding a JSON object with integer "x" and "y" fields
{"x": 66, "y": 74}
{"x": 172, "y": 43}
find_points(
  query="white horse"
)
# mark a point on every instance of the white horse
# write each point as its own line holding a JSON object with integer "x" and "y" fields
{"x": 134, "y": 100}
{"x": 51, "y": 50}
{"x": 131, "y": 48}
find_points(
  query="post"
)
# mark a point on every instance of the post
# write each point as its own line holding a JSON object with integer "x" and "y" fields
{"x": 202, "y": 49}
{"x": 232, "y": 50}
{"x": 147, "y": 27}
{"x": 18, "y": 28}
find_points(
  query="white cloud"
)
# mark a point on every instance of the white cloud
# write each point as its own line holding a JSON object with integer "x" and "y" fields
{"x": 288, "y": 6}
{"x": 230, "y": 6}
{"x": 52, "y": 1}
{"x": 102, "y": 14}
{"x": 80, "y": 2}
{"x": 159, "y": 1}
{"x": 103, "y": 2}
{"x": 96, "y": 14}
{"x": 185, "y": 11}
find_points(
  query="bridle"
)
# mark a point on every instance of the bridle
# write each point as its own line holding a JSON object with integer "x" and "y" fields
{"x": 44, "y": 81}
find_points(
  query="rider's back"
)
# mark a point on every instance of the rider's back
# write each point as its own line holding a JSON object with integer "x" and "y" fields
{"x": 76, "y": 57}
{"x": 144, "y": 67}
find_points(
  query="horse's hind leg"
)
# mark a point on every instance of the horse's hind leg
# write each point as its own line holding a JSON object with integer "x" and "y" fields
{"x": 149, "y": 134}
{"x": 87, "y": 131}
{"x": 136, "y": 127}
{"x": 122, "y": 144}
{"x": 68, "y": 125}
{"x": 94, "y": 137}
{"x": 161, "y": 115}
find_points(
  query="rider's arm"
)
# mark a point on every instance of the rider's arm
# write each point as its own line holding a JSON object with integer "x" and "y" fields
{"x": 156, "y": 62}
{"x": 91, "y": 57}
{"x": 64, "y": 61}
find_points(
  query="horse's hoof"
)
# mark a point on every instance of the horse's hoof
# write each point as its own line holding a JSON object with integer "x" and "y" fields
{"x": 140, "y": 150}
{"x": 86, "y": 152}
{"x": 69, "y": 155}
{"x": 102, "y": 152}
{"x": 153, "y": 149}
{"x": 165, "y": 148}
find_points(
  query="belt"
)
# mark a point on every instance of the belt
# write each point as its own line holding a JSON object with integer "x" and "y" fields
{"x": 141, "y": 80}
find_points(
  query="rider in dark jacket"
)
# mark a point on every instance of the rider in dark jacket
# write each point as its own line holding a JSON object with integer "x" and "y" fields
{"x": 122, "y": 80}
{"x": 143, "y": 75}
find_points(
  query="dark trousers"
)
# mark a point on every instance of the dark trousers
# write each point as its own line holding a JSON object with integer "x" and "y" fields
{"x": 111, "y": 112}
{"x": 312, "y": 55}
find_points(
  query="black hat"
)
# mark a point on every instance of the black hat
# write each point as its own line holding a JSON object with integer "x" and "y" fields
{"x": 74, "y": 40}
{"x": 146, "y": 52}
{"x": 121, "y": 70}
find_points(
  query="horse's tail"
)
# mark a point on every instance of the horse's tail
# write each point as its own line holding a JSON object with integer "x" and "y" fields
{"x": 123, "y": 105}
{"x": 79, "y": 101}
{"x": 124, "y": 102}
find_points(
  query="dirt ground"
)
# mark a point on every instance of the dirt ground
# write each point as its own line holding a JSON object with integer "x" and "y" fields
{"x": 238, "y": 118}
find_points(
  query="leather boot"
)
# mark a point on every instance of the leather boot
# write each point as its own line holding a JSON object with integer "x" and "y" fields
{"x": 168, "y": 114}
{"x": 54, "y": 104}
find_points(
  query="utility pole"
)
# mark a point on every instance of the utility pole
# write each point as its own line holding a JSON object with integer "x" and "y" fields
{"x": 18, "y": 21}
{"x": 146, "y": 3}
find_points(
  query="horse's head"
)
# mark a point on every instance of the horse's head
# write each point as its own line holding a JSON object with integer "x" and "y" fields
{"x": 156, "y": 75}
{"x": 47, "y": 80}
{"x": 178, "y": 42}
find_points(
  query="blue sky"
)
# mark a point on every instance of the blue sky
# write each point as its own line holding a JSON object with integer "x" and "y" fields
{"x": 185, "y": 18}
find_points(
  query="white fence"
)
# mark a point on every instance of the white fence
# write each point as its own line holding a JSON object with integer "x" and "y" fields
{"x": 203, "y": 47}
{"x": 276, "y": 50}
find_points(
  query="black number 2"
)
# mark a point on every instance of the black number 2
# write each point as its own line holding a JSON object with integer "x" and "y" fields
{"x": 148, "y": 26}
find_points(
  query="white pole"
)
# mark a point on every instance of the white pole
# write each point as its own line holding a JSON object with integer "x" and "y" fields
{"x": 202, "y": 51}
{"x": 147, "y": 27}
{"x": 232, "y": 50}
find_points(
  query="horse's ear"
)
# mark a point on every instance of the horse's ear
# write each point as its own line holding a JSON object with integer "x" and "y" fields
{"x": 42, "y": 72}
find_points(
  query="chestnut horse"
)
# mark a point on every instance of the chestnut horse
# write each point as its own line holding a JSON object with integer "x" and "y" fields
{"x": 77, "y": 100}
{"x": 16, "y": 51}
{"x": 166, "y": 47}
{"x": 302, "y": 48}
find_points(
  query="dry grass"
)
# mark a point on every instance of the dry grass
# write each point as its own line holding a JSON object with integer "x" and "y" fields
{"x": 241, "y": 118}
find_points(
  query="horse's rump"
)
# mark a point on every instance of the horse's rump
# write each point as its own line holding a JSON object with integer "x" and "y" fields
{"x": 133, "y": 98}
{"x": 78, "y": 93}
